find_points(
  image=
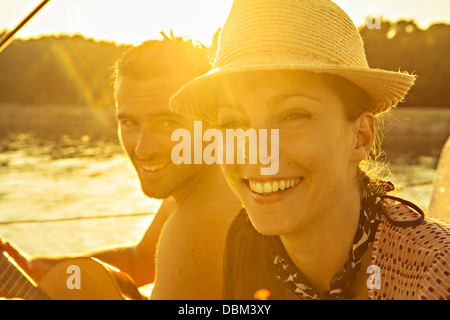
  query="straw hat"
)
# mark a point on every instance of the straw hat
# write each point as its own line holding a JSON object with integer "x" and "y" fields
{"x": 304, "y": 35}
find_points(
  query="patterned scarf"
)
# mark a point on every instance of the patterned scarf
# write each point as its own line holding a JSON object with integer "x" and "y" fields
{"x": 342, "y": 282}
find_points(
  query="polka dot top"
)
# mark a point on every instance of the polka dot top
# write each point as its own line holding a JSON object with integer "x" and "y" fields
{"x": 413, "y": 263}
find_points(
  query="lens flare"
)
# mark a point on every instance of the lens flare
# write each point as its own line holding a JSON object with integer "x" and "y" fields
{"x": 261, "y": 294}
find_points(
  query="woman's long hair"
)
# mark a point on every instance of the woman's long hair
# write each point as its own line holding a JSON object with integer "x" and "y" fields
{"x": 248, "y": 262}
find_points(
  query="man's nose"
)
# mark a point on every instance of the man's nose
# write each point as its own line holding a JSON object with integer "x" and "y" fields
{"x": 147, "y": 145}
{"x": 249, "y": 149}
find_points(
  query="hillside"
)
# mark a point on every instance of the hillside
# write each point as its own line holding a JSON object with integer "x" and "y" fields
{"x": 73, "y": 70}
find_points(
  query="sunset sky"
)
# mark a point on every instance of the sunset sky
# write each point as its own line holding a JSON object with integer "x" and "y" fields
{"x": 134, "y": 21}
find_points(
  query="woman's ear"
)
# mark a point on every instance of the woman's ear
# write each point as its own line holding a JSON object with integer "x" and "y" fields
{"x": 364, "y": 135}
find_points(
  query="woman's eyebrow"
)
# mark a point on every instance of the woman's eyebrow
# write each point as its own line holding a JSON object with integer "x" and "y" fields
{"x": 274, "y": 101}
{"x": 229, "y": 105}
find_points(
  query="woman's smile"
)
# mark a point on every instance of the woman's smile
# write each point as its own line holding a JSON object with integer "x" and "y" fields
{"x": 271, "y": 190}
{"x": 272, "y": 186}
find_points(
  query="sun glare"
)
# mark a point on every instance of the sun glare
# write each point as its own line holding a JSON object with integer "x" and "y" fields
{"x": 135, "y": 21}
{"x": 130, "y": 22}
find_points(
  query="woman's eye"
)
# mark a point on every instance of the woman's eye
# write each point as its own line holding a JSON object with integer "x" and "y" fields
{"x": 230, "y": 124}
{"x": 295, "y": 115}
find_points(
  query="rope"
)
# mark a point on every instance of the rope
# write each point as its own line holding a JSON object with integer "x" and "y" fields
{"x": 76, "y": 218}
{"x": 8, "y": 37}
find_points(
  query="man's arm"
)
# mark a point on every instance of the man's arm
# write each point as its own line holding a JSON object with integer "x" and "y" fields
{"x": 189, "y": 259}
{"x": 137, "y": 261}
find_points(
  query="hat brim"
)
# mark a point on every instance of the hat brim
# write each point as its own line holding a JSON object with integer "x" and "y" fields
{"x": 385, "y": 88}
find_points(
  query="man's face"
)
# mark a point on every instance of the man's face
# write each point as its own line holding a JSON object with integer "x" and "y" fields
{"x": 145, "y": 128}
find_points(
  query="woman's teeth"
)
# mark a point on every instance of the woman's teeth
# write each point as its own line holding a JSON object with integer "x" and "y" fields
{"x": 154, "y": 167}
{"x": 272, "y": 186}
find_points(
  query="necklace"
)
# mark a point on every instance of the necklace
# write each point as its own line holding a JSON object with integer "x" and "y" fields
{"x": 342, "y": 282}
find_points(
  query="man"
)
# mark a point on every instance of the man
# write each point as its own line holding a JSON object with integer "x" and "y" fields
{"x": 198, "y": 207}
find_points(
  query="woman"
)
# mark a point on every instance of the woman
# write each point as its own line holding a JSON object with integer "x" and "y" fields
{"x": 314, "y": 229}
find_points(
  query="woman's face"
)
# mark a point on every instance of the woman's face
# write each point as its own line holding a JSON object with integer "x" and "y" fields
{"x": 317, "y": 162}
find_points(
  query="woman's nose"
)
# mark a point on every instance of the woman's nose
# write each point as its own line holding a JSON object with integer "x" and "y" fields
{"x": 254, "y": 148}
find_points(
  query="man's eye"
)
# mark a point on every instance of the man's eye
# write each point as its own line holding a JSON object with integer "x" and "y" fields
{"x": 168, "y": 123}
{"x": 128, "y": 124}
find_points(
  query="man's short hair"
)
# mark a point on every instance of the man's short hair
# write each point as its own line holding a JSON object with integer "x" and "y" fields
{"x": 172, "y": 56}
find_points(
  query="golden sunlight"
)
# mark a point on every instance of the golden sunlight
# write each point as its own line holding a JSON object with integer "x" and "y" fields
{"x": 87, "y": 170}
{"x": 130, "y": 22}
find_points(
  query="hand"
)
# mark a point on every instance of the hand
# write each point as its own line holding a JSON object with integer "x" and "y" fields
{"x": 15, "y": 254}
{"x": 35, "y": 268}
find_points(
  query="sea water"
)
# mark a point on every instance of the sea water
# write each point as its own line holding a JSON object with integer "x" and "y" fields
{"x": 57, "y": 200}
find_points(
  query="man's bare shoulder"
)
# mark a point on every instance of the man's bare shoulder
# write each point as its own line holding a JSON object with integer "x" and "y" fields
{"x": 212, "y": 198}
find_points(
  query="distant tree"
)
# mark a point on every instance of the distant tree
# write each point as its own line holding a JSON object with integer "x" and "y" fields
{"x": 402, "y": 45}
{"x": 58, "y": 70}
{"x": 73, "y": 70}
